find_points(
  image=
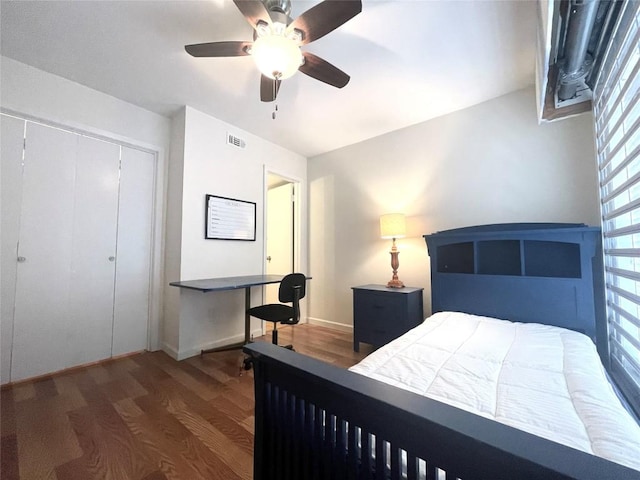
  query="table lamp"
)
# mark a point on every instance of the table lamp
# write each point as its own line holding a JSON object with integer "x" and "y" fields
{"x": 393, "y": 226}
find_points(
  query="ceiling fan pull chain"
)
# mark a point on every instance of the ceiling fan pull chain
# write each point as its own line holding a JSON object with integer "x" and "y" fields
{"x": 275, "y": 93}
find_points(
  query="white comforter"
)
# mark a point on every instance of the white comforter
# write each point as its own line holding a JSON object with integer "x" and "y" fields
{"x": 541, "y": 379}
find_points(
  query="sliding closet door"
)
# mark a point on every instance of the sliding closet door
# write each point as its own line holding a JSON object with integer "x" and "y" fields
{"x": 133, "y": 272}
{"x": 94, "y": 251}
{"x": 41, "y": 320}
{"x": 81, "y": 275}
{"x": 11, "y": 145}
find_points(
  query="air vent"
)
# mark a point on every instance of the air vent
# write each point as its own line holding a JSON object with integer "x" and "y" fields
{"x": 235, "y": 141}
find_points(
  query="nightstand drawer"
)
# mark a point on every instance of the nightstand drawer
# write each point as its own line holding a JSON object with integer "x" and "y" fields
{"x": 378, "y": 308}
{"x": 381, "y": 314}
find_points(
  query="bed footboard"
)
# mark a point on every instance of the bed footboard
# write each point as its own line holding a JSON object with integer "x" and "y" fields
{"x": 317, "y": 421}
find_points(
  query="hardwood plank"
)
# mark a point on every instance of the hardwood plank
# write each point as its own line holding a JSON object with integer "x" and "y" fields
{"x": 98, "y": 373}
{"x": 8, "y": 454}
{"x": 128, "y": 408}
{"x": 7, "y": 413}
{"x": 90, "y": 390}
{"x": 208, "y": 462}
{"x": 231, "y": 428}
{"x": 120, "y": 441}
{"x": 169, "y": 451}
{"x": 45, "y": 436}
{"x": 226, "y": 406}
{"x": 68, "y": 389}
{"x": 24, "y": 391}
{"x": 206, "y": 390}
{"x": 45, "y": 388}
{"x": 174, "y": 441}
{"x": 123, "y": 387}
{"x": 233, "y": 456}
{"x": 109, "y": 449}
{"x": 163, "y": 421}
{"x": 155, "y": 476}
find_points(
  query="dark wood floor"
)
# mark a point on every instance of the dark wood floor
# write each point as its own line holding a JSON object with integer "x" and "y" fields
{"x": 145, "y": 416}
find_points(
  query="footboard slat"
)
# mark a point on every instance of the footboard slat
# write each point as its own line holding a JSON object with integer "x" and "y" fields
{"x": 412, "y": 466}
{"x": 317, "y": 421}
{"x": 307, "y": 439}
{"x": 284, "y": 436}
{"x": 379, "y": 456}
{"x": 365, "y": 455}
{"x": 353, "y": 454}
{"x": 396, "y": 465}
{"x": 432, "y": 472}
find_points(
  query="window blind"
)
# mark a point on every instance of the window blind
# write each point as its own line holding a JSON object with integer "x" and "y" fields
{"x": 617, "y": 131}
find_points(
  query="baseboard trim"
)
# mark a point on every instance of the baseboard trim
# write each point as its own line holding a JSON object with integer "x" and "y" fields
{"x": 170, "y": 350}
{"x": 329, "y": 324}
{"x": 65, "y": 371}
{"x": 193, "y": 351}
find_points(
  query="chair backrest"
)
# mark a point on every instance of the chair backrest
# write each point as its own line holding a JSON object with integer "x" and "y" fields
{"x": 290, "y": 284}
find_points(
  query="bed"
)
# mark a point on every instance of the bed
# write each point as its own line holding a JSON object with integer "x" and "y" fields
{"x": 515, "y": 406}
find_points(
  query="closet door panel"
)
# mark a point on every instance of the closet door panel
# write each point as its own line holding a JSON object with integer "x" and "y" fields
{"x": 11, "y": 146}
{"x": 133, "y": 268}
{"x": 41, "y": 320}
{"x": 94, "y": 251}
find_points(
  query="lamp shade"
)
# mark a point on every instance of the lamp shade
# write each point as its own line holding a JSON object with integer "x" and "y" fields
{"x": 276, "y": 56}
{"x": 393, "y": 225}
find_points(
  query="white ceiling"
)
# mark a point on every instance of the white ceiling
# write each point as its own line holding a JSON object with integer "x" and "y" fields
{"x": 409, "y": 61}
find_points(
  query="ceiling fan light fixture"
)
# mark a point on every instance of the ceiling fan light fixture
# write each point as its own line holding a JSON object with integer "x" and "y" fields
{"x": 276, "y": 56}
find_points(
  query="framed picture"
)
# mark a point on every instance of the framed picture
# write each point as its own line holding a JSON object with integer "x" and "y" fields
{"x": 229, "y": 219}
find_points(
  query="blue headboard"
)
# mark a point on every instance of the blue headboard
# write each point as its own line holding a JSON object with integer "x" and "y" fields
{"x": 548, "y": 273}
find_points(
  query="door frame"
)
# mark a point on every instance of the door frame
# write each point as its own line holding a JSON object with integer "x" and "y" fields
{"x": 297, "y": 220}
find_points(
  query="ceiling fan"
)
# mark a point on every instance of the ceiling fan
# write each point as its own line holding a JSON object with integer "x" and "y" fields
{"x": 277, "y": 39}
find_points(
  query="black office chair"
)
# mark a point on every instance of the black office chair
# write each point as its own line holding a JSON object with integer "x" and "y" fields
{"x": 292, "y": 289}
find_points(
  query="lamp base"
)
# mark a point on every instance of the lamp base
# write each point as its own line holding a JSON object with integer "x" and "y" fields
{"x": 395, "y": 263}
{"x": 395, "y": 283}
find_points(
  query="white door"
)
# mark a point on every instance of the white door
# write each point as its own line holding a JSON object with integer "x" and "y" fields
{"x": 280, "y": 235}
{"x": 41, "y": 317}
{"x": 135, "y": 221}
{"x": 11, "y": 146}
{"x": 95, "y": 216}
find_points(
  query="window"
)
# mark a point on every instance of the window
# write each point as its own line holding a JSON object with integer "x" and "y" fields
{"x": 617, "y": 130}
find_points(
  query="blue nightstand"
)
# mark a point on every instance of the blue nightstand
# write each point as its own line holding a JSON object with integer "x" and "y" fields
{"x": 381, "y": 314}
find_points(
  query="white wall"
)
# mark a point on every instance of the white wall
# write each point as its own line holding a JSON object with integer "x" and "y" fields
{"x": 490, "y": 163}
{"x": 171, "y": 326}
{"x": 38, "y": 95}
{"x": 211, "y": 166}
{"x": 45, "y": 96}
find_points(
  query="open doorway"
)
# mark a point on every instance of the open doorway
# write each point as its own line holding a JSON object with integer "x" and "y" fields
{"x": 281, "y": 229}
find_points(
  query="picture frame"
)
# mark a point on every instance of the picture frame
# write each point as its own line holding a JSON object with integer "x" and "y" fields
{"x": 229, "y": 219}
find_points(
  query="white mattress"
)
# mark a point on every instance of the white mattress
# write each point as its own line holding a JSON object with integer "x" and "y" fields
{"x": 544, "y": 380}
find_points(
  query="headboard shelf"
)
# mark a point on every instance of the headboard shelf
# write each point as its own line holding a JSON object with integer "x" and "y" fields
{"x": 554, "y": 270}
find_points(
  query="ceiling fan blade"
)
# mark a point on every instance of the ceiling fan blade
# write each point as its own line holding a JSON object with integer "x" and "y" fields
{"x": 269, "y": 88}
{"x": 325, "y": 17}
{"x": 253, "y": 11}
{"x": 218, "y": 49}
{"x": 322, "y": 70}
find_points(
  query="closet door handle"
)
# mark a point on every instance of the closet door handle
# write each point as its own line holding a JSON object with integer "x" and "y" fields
{"x": 22, "y": 259}
{"x": 112, "y": 259}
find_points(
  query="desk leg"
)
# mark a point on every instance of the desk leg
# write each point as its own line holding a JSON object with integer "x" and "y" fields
{"x": 247, "y": 328}
{"x": 247, "y": 317}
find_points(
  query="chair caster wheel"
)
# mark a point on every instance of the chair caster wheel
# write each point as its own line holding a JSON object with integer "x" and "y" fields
{"x": 247, "y": 363}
